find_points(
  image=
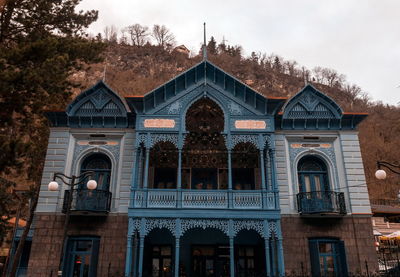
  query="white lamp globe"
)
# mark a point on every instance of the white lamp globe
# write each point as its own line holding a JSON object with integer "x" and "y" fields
{"x": 53, "y": 186}
{"x": 91, "y": 184}
{"x": 380, "y": 174}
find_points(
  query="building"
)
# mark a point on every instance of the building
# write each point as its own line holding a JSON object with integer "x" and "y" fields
{"x": 205, "y": 177}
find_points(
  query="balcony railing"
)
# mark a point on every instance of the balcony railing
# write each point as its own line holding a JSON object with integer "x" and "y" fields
{"x": 321, "y": 202}
{"x": 88, "y": 201}
{"x": 204, "y": 199}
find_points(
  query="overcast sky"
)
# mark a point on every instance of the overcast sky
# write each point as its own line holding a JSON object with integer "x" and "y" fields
{"x": 358, "y": 38}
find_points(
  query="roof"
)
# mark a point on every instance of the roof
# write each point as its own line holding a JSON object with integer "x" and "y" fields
{"x": 206, "y": 72}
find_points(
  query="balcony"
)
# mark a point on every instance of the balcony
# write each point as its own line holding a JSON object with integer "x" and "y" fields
{"x": 88, "y": 202}
{"x": 321, "y": 203}
{"x": 205, "y": 199}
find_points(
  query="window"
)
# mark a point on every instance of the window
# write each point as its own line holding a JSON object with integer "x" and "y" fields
{"x": 101, "y": 165}
{"x": 313, "y": 175}
{"x": 246, "y": 263}
{"x": 81, "y": 257}
{"x": 161, "y": 261}
{"x": 328, "y": 257}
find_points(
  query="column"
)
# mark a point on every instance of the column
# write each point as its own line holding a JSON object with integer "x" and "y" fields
{"x": 177, "y": 247}
{"x": 141, "y": 248}
{"x": 135, "y": 254}
{"x": 128, "y": 260}
{"x": 273, "y": 168}
{"x": 230, "y": 191}
{"x": 134, "y": 184}
{"x": 179, "y": 183}
{"x": 232, "y": 255}
{"x": 262, "y": 168}
{"x": 281, "y": 265}
{"x": 273, "y": 177}
{"x": 146, "y": 169}
{"x": 267, "y": 257}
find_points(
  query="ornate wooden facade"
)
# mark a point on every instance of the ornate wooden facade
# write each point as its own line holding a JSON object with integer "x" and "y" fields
{"x": 206, "y": 177}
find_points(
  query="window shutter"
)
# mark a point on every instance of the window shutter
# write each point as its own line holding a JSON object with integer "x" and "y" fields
{"x": 314, "y": 258}
{"x": 342, "y": 259}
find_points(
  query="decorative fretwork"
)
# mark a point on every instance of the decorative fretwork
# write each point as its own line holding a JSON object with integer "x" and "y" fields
{"x": 234, "y": 109}
{"x": 174, "y": 108}
{"x": 133, "y": 225}
{"x": 204, "y": 199}
{"x": 236, "y": 139}
{"x": 98, "y": 101}
{"x": 256, "y": 225}
{"x": 155, "y": 138}
{"x": 79, "y": 149}
{"x": 247, "y": 200}
{"x": 311, "y": 104}
{"x": 187, "y": 224}
{"x": 154, "y": 223}
{"x": 273, "y": 229}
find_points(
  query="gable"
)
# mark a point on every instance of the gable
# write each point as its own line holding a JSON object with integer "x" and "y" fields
{"x": 97, "y": 107}
{"x": 99, "y": 100}
{"x": 213, "y": 78}
{"x": 310, "y": 103}
{"x": 310, "y": 109}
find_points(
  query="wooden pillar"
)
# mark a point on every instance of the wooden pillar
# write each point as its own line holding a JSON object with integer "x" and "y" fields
{"x": 141, "y": 249}
{"x": 232, "y": 256}
{"x": 230, "y": 191}
{"x": 262, "y": 168}
{"x": 177, "y": 247}
{"x": 179, "y": 173}
{"x": 267, "y": 257}
{"x": 128, "y": 260}
{"x": 146, "y": 169}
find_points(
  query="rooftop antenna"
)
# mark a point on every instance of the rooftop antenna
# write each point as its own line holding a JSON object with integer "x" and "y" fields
{"x": 104, "y": 71}
{"x": 204, "y": 44}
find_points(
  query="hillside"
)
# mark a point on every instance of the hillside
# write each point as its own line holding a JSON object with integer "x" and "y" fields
{"x": 136, "y": 70}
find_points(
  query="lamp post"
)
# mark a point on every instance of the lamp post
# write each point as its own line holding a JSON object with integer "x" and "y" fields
{"x": 381, "y": 174}
{"x": 70, "y": 181}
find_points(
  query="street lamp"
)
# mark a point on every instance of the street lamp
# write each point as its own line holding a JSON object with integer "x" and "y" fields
{"x": 71, "y": 182}
{"x": 381, "y": 174}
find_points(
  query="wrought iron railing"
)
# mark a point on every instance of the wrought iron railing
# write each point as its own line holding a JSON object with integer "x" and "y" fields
{"x": 204, "y": 199}
{"x": 84, "y": 200}
{"x": 318, "y": 202}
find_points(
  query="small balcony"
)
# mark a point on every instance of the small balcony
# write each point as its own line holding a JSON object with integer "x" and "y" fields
{"x": 321, "y": 203}
{"x": 205, "y": 199}
{"x": 88, "y": 202}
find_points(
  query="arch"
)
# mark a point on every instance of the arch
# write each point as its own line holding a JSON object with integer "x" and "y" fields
{"x": 312, "y": 174}
{"x": 101, "y": 165}
{"x": 114, "y": 185}
{"x": 163, "y": 165}
{"x": 194, "y": 101}
{"x": 330, "y": 167}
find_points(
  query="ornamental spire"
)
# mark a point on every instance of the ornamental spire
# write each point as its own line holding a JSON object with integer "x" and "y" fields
{"x": 204, "y": 44}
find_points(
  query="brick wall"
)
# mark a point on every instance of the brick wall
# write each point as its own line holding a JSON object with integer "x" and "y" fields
{"x": 47, "y": 239}
{"x": 356, "y": 232}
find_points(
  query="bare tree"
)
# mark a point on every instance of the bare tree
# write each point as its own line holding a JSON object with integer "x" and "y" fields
{"x": 110, "y": 34}
{"x": 163, "y": 36}
{"x": 138, "y": 34}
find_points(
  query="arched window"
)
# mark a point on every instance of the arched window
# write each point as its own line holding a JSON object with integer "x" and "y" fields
{"x": 101, "y": 165}
{"x": 313, "y": 175}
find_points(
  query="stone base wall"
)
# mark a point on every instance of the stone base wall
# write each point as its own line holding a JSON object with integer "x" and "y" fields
{"x": 47, "y": 240}
{"x": 355, "y": 231}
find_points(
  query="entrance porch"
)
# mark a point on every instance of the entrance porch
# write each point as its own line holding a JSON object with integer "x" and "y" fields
{"x": 200, "y": 248}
